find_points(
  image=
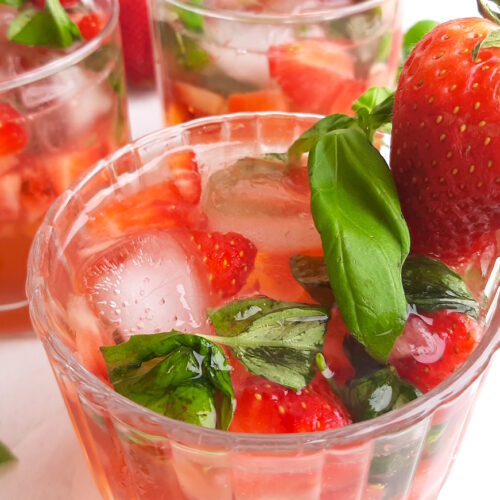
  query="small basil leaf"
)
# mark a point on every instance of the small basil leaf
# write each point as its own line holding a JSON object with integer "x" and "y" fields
{"x": 6, "y": 455}
{"x": 237, "y": 316}
{"x": 356, "y": 211}
{"x": 312, "y": 274}
{"x": 374, "y": 109}
{"x": 490, "y": 9}
{"x": 191, "y": 20}
{"x": 430, "y": 285}
{"x": 363, "y": 364}
{"x": 492, "y": 40}
{"x": 279, "y": 342}
{"x": 311, "y": 136}
{"x": 190, "y": 54}
{"x": 51, "y": 27}
{"x": 382, "y": 391}
{"x": 174, "y": 374}
{"x": 371, "y": 98}
{"x": 13, "y": 3}
{"x": 415, "y": 34}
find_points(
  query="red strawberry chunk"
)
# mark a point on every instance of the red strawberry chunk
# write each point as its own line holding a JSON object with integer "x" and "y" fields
{"x": 13, "y": 135}
{"x": 445, "y": 155}
{"x": 317, "y": 75}
{"x": 229, "y": 259}
{"x": 90, "y": 25}
{"x": 433, "y": 347}
{"x": 269, "y": 408}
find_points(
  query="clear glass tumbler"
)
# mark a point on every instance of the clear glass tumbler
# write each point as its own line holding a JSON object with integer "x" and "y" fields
{"x": 225, "y": 56}
{"x": 136, "y": 453}
{"x": 65, "y": 109}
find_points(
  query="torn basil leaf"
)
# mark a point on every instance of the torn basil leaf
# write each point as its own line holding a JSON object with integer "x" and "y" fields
{"x": 430, "y": 285}
{"x": 383, "y": 391}
{"x": 50, "y": 27}
{"x": 174, "y": 374}
{"x": 276, "y": 340}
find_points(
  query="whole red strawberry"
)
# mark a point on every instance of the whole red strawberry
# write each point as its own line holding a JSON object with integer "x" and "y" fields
{"x": 229, "y": 259}
{"x": 433, "y": 347}
{"x": 445, "y": 154}
{"x": 136, "y": 40}
{"x": 269, "y": 408}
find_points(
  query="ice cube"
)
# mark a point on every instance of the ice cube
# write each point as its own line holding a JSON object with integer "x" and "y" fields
{"x": 148, "y": 283}
{"x": 241, "y": 52}
{"x": 264, "y": 201}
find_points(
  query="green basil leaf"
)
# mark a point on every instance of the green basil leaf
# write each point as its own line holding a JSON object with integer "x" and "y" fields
{"x": 174, "y": 374}
{"x": 492, "y": 40}
{"x": 51, "y": 27}
{"x": 190, "y": 54}
{"x": 374, "y": 109}
{"x": 6, "y": 456}
{"x": 276, "y": 340}
{"x": 312, "y": 275}
{"x": 365, "y": 238}
{"x": 311, "y": 136}
{"x": 13, "y": 3}
{"x": 415, "y": 34}
{"x": 191, "y": 20}
{"x": 383, "y": 391}
{"x": 430, "y": 285}
{"x": 237, "y": 316}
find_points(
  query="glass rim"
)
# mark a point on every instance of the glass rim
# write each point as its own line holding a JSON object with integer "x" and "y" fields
{"x": 327, "y": 14}
{"x": 70, "y": 59}
{"x": 390, "y": 422}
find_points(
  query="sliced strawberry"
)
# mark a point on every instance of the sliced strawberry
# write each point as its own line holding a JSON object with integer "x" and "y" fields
{"x": 261, "y": 100}
{"x": 10, "y": 188}
{"x": 333, "y": 350}
{"x": 199, "y": 101}
{"x": 317, "y": 75}
{"x": 37, "y": 193}
{"x": 433, "y": 347}
{"x": 176, "y": 112}
{"x": 90, "y": 25}
{"x": 13, "y": 135}
{"x": 62, "y": 169}
{"x": 268, "y": 408}
{"x": 229, "y": 259}
{"x": 185, "y": 175}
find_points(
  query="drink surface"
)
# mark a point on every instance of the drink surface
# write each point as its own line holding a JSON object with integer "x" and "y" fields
{"x": 210, "y": 65}
{"x": 51, "y": 129}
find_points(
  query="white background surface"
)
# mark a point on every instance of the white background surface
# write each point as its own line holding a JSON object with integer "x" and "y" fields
{"x": 35, "y": 425}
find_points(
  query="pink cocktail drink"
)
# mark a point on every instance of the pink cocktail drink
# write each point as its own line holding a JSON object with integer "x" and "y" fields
{"x": 192, "y": 219}
{"x": 219, "y": 57}
{"x": 61, "y": 110}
